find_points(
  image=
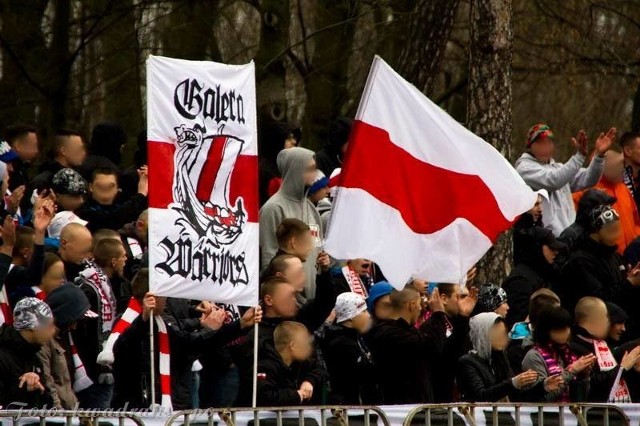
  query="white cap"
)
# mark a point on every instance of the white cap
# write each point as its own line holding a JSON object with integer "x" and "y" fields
{"x": 348, "y": 306}
{"x": 62, "y": 219}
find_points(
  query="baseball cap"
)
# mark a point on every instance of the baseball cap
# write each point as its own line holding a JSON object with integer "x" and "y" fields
{"x": 62, "y": 219}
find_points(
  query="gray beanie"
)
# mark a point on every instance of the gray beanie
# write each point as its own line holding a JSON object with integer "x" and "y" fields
{"x": 31, "y": 313}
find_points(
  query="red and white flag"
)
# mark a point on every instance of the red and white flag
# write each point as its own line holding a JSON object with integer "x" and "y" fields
{"x": 419, "y": 194}
{"x": 203, "y": 180}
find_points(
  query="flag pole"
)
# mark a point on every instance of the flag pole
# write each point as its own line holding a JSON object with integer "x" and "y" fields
{"x": 255, "y": 366}
{"x": 152, "y": 361}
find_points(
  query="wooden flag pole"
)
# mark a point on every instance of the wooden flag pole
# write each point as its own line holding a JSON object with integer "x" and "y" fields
{"x": 255, "y": 366}
{"x": 152, "y": 360}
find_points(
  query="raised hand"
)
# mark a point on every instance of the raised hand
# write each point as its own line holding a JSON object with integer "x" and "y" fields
{"x": 13, "y": 201}
{"x": 215, "y": 319}
{"x": 469, "y": 303}
{"x": 580, "y": 142}
{"x": 605, "y": 140}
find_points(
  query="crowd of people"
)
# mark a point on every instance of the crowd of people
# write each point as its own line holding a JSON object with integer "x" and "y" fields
{"x": 75, "y": 305}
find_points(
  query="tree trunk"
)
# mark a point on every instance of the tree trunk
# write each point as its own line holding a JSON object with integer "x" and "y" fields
{"x": 489, "y": 104}
{"x": 428, "y": 31}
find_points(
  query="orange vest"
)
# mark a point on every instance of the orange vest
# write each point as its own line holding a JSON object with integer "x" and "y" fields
{"x": 625, "y": 206}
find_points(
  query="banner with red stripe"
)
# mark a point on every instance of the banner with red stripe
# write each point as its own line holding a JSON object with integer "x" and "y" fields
{"x": 203, "y": 180}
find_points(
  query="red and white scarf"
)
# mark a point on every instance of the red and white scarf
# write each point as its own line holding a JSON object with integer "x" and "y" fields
{"x": 81, "y": 380}
{"x": 39, "y": 293}
{"x": 354, "y": 281}
{"x": 95, "y": 276}
{"x": 6, "y": 313}
{"x": 106, "y": 357}
{"x": 607, "y": 362}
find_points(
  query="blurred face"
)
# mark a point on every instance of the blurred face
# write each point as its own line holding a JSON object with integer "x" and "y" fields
{"x": 499, "y": 337}
{"x": 42, "y": 335}
{"x": 561, "y": 336}
{"x": 543, "y": 149}
{"x": 104, "y": 189}
{"x": 362, "y": 322}
{"x": 73, "y": 151}
{"x": 320, "y": 194}
{"x": 302, "y": 245}
{"x": 452, "y": 304}
{"x": 77, "y": 248}
{"x": 161, "y": 302}
{"x": 301, "y": 346}
{"x": 27, "y": 147}
{"x": 549, "y": 254}
{"x": 52, "y": 277}
{"x": 598, "y": 322}
{"x": 415, "y": 307}
{"x": 67, "y": 202}
{"x": 536, "y": 211}
{"x": 360, "y": 266}
{"x": 420, "y": 285}
{"x": 613, "y": 167}
{"x": 119, "y": 262}
{"x": 502, "y": 310}
{"x": 632, "y": 152}
{"x": 382, "y": 308}
{"x": 282, "y": 303}
{"x": 616, "y": 331}
{"x": 309, "y": 173}
{"x": 142, "y": 230}
{"x": 610, "y": 234}
{"x": 290, "y": 142}
{"x": 294, "y": 274}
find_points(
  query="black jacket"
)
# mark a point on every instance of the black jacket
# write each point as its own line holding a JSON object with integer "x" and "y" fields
{"x": 350, "y": 365}
{"x": 601, "y": 381}
{"x": 404, "y": 357}
{"x": 597, "y": 270}
{"x": 278, "y": 384}
{"x": 448, "y": 349}
{"x": 131, "y": 369}
{"x": 114, "y": 216}
{"x": 17, "y": 357}
{"x": 481, "y": 381}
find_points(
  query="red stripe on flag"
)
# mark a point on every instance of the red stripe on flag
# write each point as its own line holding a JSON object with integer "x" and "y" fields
{"x": 428, "y": 197}
{"x": 160, "y": 159}
{"x": 210, "y": 168}
{"x": 244, "y": 183}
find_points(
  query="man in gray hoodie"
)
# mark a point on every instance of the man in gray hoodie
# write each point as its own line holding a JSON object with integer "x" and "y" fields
{"x": 540, "y": 171}
{"x": 298, "y": 169}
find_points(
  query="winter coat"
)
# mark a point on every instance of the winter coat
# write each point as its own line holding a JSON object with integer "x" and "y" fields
{"x": 482, "y": 380}
{"x": 290, "y": 202}
{"x": 17, "y": 357}
{"x": 57, "y": 379}
{"x": 278, "y": 383}
{"x": 114, "y": 216}
{"x": 560, "y": 180}
{"x": 350, "y": 366}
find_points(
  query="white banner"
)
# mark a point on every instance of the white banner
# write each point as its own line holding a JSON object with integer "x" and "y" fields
{"x": 203, "y": 180}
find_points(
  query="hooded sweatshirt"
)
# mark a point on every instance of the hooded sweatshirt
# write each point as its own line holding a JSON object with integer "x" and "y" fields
{"x": 560, "y": 180}
{"x": 290, "y": 202}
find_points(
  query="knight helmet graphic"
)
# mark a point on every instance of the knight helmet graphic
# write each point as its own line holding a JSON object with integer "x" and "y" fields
{"x": 202, "y": 186}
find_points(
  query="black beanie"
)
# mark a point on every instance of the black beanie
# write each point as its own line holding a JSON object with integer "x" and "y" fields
{"x": 68, "y": 304}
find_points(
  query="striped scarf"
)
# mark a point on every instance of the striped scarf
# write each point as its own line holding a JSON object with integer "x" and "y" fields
{"x": 354, "y": 281}
{"x": 39, "y": 293}
{"x": 549, "y": 354}
{"x": 106, "y": 357}
{"x": 81, "y": 380}
{"x": 6, "y": 313}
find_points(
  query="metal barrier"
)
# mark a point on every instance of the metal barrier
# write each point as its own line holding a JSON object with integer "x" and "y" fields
{"x": 285, "y": 416}
{"x": 439, "y": 414}
{"x": 85, "y": 417}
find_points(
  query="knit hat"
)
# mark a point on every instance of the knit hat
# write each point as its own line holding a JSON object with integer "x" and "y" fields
{"x": 62, "y": 219}
{"x": 7, "y": 154}
{"x": 491, "y": 297}
{"x": 378, "y": 290}
{"x": 68, "y": 304}
{"x": 348, "y": 306}
{"x": 601, "y": 216}
{"x": 617, "y": 315}
{"x": 539, "y": 131}
{"x": 68, "y": 181}
{"x": 31, "y": 313}
{"x": 319, "y": 182}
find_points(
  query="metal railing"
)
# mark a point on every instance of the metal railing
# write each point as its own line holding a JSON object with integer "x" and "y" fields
{"x": 85, "y": 417}
{"x": 285, "y": 416}
{"x": 600, "y": 414}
